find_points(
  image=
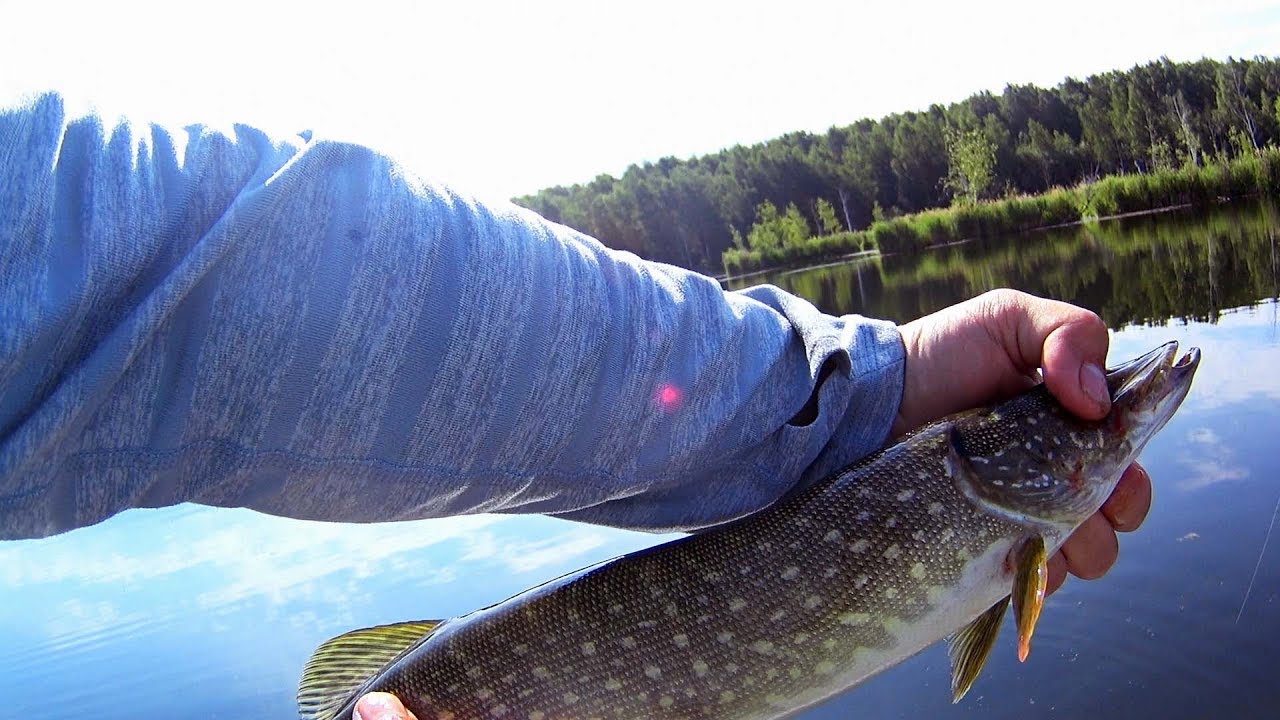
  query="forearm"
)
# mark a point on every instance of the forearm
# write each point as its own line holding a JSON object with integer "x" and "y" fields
{"x": 301, "y": 328}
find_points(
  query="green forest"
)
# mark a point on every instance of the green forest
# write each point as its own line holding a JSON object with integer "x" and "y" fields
{"x": 788, "y": 194}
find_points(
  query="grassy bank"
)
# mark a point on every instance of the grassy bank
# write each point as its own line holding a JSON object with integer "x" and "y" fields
{"x": 1251, "y": 174}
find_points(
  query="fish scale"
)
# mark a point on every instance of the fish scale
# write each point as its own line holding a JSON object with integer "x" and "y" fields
{"x": 703, "y": 611}
{"x": 773, "y": 613}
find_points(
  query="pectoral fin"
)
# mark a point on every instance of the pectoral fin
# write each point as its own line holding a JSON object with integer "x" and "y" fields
{"x": 341, "y": 666}
{"x": 1029, "y": 584}
{"x": 970, "y": 647}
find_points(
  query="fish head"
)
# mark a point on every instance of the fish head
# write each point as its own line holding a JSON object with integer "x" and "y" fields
{"x": 1031, "y": 461}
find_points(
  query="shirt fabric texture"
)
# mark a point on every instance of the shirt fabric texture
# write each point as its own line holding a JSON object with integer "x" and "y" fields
{"x": 303, "y": 327}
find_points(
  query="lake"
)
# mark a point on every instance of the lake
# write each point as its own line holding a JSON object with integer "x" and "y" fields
{"x": 204, "y": 613}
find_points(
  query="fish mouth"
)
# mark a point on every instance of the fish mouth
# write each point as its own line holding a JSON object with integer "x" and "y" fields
{"x": 1155, "y": 381}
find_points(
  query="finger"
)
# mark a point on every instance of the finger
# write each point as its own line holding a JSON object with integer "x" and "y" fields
{"x": 1057, "y": 573}
{"x": 1130, "y": 501}
{"x": 381, "y": 706}
{"x": 1068, "y": 342}
{"x": 1092, "y": 549}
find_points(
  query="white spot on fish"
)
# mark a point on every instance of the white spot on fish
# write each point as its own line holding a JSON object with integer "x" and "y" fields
{"x": 917, "y": 571}
{"x": 832, "y": 536}
{"x": 445, "y": 715}
{"x": 794, "y": 672}
{"x": 569, "y": 698}
{"x": 537, "y": 715}
{"x": 771, "y": 673}
{"x": 573, "y": 615}
{"x": 935, "y": 508}
{"x": 980, "y": 460}
{"x": 615, "y": 609}
{"x": 647, "y": 624}
{"x": 918, "y": 535}
{"x": 628, "y": 642}
{"x": 764, "y": 647}
{"x": 737, "y": 604}
{"x": 853, "y": 618}
{"x": 725, "y": 638}
{"x": 653, "y": 672}
{"x": 935, "y": 593}
{"x": 778, "y": 615}
{"x": 727, "y": 696}
{"x": 891, "y": 593}
{"x": 860, "y": 546}
{"x": 964, "y": 555}
{"x": 474, "y": 673}
{"x": 947, "y": 534}
{"x": 829, "y": 644}
{"x": 812, "y": 602}
{"x": 666, "y": 701}
{"x": 612, "y": 684}
{"x": 892, "y": 552}
{"x": 861, "y": 580}
{"x": 498, "y": 710}
{"x": 826, "y": 667}
{"x": 829, "y": 572}
{"x": 700, "y": 667}
{"x": 906, "y": 495}
{"x": 520, "y": 649}
{"x": 484, "y": 693}
{"x": 541, "y": 672}
{"x": 588, "y": 648}
{"x": 671, "y": 610}
{"x": 800, "y": 638}
{"x": 892, "y": 522}
{"x": 681, "y": 640}
{"x": 711, "y": 577}
{"x": 731, "y": 668}
{"x": 790, "y": 573}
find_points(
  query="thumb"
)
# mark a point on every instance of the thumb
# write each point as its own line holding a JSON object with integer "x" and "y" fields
{"x": 1070, "y": 344}
{"x": 381, "y": 706}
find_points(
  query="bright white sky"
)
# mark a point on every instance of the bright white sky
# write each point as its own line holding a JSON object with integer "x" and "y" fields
{"x": 506, "y": 97}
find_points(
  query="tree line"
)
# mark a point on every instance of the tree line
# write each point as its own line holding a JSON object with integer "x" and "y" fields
{"x": 1024, "y": 140}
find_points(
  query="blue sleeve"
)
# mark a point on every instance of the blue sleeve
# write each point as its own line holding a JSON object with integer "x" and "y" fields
{"x": 303, "y": 327}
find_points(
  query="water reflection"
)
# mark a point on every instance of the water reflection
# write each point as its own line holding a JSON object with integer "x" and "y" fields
{"x": 1135, "y": 270}
{"x": 193, "y": 612}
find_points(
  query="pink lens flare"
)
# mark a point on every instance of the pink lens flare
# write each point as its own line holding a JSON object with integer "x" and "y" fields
{"x": 670, "y": 397}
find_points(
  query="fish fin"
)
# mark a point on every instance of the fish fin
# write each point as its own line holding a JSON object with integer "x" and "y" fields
{"x": 341, "y": 665}
{"x": 970, "y": 646}
{"x": 1029, "y": 584}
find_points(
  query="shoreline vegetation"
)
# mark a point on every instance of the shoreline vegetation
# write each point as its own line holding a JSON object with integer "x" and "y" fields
{"x": 1250, "y": 175}
{"x": 1154, "y": 136}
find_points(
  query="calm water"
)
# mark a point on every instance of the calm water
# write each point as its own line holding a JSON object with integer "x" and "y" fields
{"x": 195, "y": 612}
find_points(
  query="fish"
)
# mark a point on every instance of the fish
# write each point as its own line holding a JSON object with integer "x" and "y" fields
{"x": 933, "y": 537}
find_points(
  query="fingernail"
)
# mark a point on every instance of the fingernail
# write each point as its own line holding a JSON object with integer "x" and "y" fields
{"x": 1094, "y": 383}
{"x": 378, "y": 706}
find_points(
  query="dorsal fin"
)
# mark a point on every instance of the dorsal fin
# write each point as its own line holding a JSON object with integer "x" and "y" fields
{"x": 340, "y": 666}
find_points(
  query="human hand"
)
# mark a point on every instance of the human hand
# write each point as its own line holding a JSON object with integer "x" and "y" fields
{"x": 381, "y": 706}
{"x": 993, "y": 346}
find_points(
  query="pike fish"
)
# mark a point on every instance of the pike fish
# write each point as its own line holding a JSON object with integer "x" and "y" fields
{"x": 932, "y": 537}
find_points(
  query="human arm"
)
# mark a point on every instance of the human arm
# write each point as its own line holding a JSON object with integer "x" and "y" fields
{"x": 301, "y": 327}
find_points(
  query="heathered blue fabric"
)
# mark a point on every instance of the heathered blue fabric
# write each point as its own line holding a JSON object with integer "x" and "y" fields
{"x": 303, "y": 327}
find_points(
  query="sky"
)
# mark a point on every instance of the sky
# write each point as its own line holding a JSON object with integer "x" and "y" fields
{"x": 502, "y": 98}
